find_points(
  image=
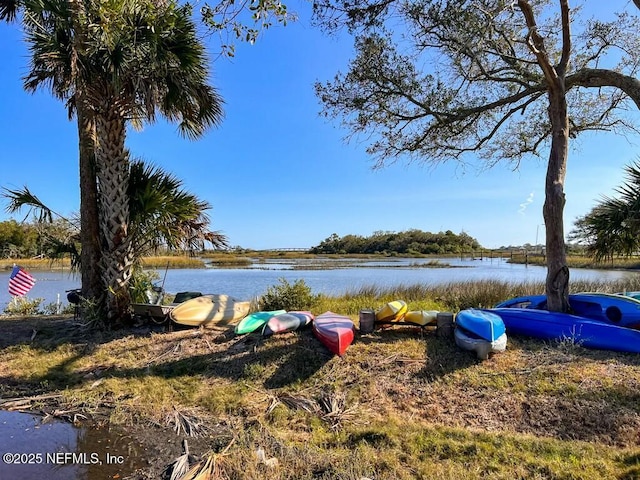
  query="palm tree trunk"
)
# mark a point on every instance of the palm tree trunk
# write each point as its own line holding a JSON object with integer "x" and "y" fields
{"x": 113, "y": 180}
{"x": 90, "y": 264}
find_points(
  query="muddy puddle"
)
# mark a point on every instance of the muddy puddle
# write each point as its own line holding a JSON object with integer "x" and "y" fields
{"x": 32, "y": 448}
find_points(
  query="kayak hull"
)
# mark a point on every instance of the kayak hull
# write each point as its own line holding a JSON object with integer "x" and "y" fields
{"x": 287, "y": 322}
{"x": 481, "y": 324}
{"x": 614, "y": 309}
{"x": 255, "y": 321}
{"x": 563, "y": 326}
{"x": 480, "y": 346}
{"x": 336, "y": 332}
{"x": 392, "y": 311}
{"x": 422, "y": 318}
{"x": 209, "y": 311}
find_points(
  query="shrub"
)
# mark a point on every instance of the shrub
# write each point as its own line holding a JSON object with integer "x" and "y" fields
{"x": 23, "y": 306}
{"x": 141, "y": 285}
{"x": 287, "y": 296}
{"x": 54, "y": 308}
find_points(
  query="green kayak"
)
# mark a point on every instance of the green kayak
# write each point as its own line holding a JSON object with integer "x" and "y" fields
{"x": 254, "y": 321}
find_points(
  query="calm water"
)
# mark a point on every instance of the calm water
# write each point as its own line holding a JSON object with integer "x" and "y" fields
{"x": 247, "y": 283}
{"x": 33, "y": 450}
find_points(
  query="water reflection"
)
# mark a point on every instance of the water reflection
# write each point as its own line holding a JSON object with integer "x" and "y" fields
{"x": 57, "y": 450}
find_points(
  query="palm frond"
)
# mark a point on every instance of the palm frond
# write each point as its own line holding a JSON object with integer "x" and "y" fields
{"x": 19, "y": 199}
{"x": 613, "y": 226}
{"x": 164, "y": 214}
{"x": 9, "y": 10}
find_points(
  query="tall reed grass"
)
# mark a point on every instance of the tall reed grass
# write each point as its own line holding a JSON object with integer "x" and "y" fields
{"x": 455, "y": 296}
{"x": 169, "y": 261}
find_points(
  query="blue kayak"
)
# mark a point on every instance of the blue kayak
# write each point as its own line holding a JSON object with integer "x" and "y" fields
{"x": 560, "y": 326}
{"x": 610, "y": 308}
{"x": 481, "y": 323}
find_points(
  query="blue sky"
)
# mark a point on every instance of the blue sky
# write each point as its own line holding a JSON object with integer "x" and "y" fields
{"x": 279, "y": 175}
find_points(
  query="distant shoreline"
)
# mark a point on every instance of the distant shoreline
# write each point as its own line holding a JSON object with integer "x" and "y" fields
{"x": 233, "y": 259}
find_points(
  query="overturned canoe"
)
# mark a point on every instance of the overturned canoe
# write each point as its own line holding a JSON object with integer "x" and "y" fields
{"x": 209, "y": 311}
{"x": 335, "y": 331}
{"x": 286, "y": 322}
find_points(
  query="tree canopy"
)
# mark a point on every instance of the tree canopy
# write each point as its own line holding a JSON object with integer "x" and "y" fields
{"x": 496, "y": 80}
{"x": 410, "y": 242}
{"x": 436, "y": 81}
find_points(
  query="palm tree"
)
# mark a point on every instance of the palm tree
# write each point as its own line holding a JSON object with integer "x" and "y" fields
{"x": 119, "y": 64}
{"x": 612, "y": 227}
{"x": 163, "y": 214}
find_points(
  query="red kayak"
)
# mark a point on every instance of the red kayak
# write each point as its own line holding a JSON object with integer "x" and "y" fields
{"x": 334, "y": 331}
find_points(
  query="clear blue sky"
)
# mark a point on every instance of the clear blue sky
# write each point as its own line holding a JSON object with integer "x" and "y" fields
{"x": 279, "y": 175}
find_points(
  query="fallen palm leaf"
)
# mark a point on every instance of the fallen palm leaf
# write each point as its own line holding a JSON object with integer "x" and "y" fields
{"x": 335, "y": 410}
{"x": 185, "y": 423}
{"x": 298, "y": 403}
{"x": 180, "y": 466}
{"x": 208, "y": 468}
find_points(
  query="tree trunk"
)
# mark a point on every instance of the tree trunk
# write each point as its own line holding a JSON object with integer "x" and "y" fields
{"x": 90, "y": 253}
{"x": 90, "y": 270}
{"x": 113, "y": 180}
{"x": 557, "y": 283}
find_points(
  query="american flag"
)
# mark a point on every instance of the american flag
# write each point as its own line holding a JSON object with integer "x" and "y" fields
{"x": 20, "y": 281}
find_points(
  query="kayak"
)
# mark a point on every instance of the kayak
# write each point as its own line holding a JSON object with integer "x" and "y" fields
{"x": 563, "y": 326}
{"x": 336, "y": 332}
{"x": 392, "y": 311}
{"x": 286, "y": 322}
{"x": 256, "y": 320}
{"x": 468, "y": 341}
{"x": 610, "y": 308}
{"x": 480, "y": 323}
{"x": 209, "y": 311}
{"x": 422, "y": 318}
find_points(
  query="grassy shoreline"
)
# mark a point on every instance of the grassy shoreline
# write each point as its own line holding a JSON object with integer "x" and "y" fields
{"x": 401, "y": 404}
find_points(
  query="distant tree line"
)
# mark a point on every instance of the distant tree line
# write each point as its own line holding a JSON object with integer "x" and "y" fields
{"x": 411, "y": 242}
{"x": 32, "y": 239}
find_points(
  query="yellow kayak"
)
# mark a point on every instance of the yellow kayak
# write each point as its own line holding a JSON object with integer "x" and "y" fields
{"x": 209, "y": 311}
{"x": 392, "y": 311}
{"x": 421, "y": 317}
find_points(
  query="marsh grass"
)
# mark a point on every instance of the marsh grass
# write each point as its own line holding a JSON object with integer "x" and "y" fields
{"x": 36, "y": 263}
{"x": 170, "y": 261}
{"x": 455, "y": 296}
{"x": 400, "y": 404}
{"x": 581, "y": 261}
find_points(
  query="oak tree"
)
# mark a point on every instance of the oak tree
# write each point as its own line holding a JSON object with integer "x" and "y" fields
{"x": 496, "y": 80}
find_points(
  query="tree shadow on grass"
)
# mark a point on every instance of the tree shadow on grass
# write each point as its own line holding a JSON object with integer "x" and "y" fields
{"x": 284, "y": 359}
{"x": 441, "y": 355}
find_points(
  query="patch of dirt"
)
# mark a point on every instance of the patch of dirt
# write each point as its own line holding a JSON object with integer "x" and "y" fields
{"x": 162, "y": 447}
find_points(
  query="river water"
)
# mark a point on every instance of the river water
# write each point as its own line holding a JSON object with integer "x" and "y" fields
{"x": 32, "y": 450}
{"x": 335, "y": 276}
